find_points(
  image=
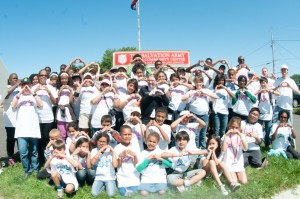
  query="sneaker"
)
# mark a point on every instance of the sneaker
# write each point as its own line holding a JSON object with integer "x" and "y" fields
{"x": 11, "y": 162}
{"x": 128, "y": 193}
{"x": 1, "y": 170}
{"x": 235, "y": 186}
{"x": 180, "y": 188}
{"x": 264, "y": 163}
{"x": 223, "y": 190}
{"x": 60, "y": 193}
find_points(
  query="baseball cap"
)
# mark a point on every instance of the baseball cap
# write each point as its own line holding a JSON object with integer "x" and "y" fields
{"x": 122, "y": 67}
{"x": 136, "y": 109}
{"x": 106, "y": 81}
{"x": 87, "y": 74}
{"x": 185, "y": 112}
{"x": 250, "y": 72}
{"x": 181, "y": 69}
{"x": 284, "y": 66}
{"x": 26, "y": 80}
{"x": 114, "y": 69}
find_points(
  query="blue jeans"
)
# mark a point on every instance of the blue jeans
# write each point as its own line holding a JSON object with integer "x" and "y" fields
{"x": 98, "y": 186}
{"x": 87, "y": 175}
{"x": 220, "y": 124}
{"x": 33, "y": 164}
{"x": 267, "y": 127}
{"x": 201, "y": 137}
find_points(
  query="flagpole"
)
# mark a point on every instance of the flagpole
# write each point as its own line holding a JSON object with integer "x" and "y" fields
{"x": 139, "y": 25}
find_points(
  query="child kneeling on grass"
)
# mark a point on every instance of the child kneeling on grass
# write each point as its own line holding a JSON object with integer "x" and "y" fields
{"x": 181, "y": 157}
{"x": 104, "y": 158}
{"x": 212, "y": 163}
{"x": 62, "y": 169}
{"x": 152, "y": 167}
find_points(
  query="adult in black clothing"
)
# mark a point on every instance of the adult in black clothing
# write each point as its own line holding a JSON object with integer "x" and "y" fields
{"x": 152, "y": 97}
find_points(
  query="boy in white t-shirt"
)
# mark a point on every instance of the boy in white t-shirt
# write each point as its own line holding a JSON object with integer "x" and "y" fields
{"x": 127, "y": 153}
{"x": 137, "y": 127}
{"x": 192, "y": 128}
{"x": 158, "y": 126}
{"x": 62, "y": 169}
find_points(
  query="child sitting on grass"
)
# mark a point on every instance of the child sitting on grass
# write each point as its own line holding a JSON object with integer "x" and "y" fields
{"x": 234, "y": 143}
{"x": 181, "y": 176}
{"x": 212, "y": 163}
{"x": 62, "y": 170}
{"x": 152, "y": 167}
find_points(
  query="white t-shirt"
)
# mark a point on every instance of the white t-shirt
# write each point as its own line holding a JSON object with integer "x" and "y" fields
{"x": 101, "y": 109}
{"x": 285, "y": 99}
{"x": 155, "y": 172}
{"x": 199, "y": 103}
{"x": 104, "y": 170}
{"x": 121, "y": 86}
{"x": 163, "y": 145}
{"x": 27, "y": 121}
{"x": 282, "y": 140}
{"x": 176, "y": 93}
{"x": 265, "y": 107}
{"x": 142, "y": 83}
{"x": 46, "y": 113}
{"x": 252, "y": 128}
{"x": 64, "y": 99}
{"x": 164, "y": 87}
{"x": 220, "y": 105}
{"x": 129, "y": 106}
{"x": 137, "y": 135}
{"x": 243, "y": 105}
{"x": 9, "y": 114}
{"x": 65, "y": 169}
{"x": 192, "y": 129}
{"x": 127, "y": 175}
{"x": 233, "y": 156}
{"x": 179, "y": 164}
{"x": 86, "y": 95}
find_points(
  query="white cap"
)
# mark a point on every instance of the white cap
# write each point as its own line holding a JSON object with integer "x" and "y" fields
{"x": 106, "y": 81}
{"x": 185, "y": 112}
{"x": 87, "y": 74}
{"x": 136, "y": 109}
{"x": 284, "y": 66}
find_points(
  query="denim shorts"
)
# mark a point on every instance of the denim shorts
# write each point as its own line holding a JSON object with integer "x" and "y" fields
{"x": 153, "y": 187}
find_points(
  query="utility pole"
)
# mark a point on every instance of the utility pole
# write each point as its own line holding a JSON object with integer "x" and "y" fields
{"x": 139, "y": 25}
{"x": 272, "y": 46}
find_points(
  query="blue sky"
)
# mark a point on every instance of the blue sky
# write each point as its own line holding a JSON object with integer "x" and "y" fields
{"x": 34, "y": 33}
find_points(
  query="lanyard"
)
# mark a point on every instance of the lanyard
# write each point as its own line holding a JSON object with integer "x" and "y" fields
{"x": 234, "y": 151}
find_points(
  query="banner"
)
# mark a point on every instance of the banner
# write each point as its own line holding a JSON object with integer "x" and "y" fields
{"x": 173, "y": 58}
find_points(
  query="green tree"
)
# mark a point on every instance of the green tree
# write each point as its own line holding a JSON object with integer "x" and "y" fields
{"x": 296, "y": 78}
{"x": 107, "y": 58}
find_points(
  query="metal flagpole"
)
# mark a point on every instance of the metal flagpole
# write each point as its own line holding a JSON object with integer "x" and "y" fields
{"x": 272, "y": 45}
{"x": 139, "y": 24}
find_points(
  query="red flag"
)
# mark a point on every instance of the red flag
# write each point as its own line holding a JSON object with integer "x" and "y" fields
{"x": 133, "y": 4}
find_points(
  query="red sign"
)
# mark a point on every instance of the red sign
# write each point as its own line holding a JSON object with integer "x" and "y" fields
{"x": 174, "y": 58}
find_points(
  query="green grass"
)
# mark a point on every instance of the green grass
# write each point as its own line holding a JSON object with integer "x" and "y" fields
{"x": 296, "y": 111}
{"x": 279, "y": 175}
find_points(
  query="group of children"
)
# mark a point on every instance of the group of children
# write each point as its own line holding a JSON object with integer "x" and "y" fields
{"x": 145, "y": 132}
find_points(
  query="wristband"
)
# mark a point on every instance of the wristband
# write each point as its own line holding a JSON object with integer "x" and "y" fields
{"x": 17, "y": 97}
{"x": 34, "y": 95}
{"x": 76, "y": 94}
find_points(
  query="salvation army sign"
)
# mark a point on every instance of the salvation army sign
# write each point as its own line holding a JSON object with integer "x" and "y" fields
{"x": 174, "y": 58}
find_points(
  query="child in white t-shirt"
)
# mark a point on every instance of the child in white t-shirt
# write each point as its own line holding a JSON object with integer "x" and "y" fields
{"x": 62, "y": 169}
{"x": 137, "y": 127}
{"x": 234, "y": 143}
{"x": 159, "y": 127}
{"x": 152, "y": 168}
{"x": 127, "y": 176}
{"x": 181, "y": 175}
{"x": 105, "y": 161}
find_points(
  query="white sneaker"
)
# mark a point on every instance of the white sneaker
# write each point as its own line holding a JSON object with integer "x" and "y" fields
{"x": 60, "y": 193}
{"x": 223, "y": 190}
{"x": 128, "y": 193}
{"x": 180, "y": 188}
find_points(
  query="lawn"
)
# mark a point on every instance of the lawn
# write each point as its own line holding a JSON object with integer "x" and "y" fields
{"x": 279, "y": 175}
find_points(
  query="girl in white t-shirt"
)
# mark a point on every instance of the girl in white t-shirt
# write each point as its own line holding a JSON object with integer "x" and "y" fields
{"x": 64, "y": 112}
{"x": 162, "y": 81}
{"x": 234, "y": 143}
{"x": 221, "y": 105}
{"x": 152, "y": 167}
{"x": 105, "y": 161}
{"x": 198, "y": 100}
{"x": 213, "y": 163}
{"x": 82, "y": 156}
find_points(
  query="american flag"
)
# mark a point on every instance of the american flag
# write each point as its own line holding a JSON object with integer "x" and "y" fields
{"x": 133, "y": 4}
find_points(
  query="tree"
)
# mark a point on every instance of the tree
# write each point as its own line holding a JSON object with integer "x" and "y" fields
{"x": 296, "y": 78}
{"x": 107, "y": 58}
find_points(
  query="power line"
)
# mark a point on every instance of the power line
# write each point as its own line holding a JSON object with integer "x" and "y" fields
{"x": 254, "y": 51}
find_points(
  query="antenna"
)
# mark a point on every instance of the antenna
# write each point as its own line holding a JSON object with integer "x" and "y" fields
{"x": 272, "y": 46}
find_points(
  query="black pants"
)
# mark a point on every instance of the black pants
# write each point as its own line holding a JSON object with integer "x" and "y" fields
{"x": 10, "y": 141}
{"x": 119, "y": 120}
{"x": 253, "y": 158}
{"x": 291, "y": 153}
{"x": 45, "y": 128}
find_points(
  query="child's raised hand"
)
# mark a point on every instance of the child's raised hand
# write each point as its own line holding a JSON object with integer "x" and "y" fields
{"x": 130, "y": 153}
{"x": 50, "y": 143}
{"x": 151, "y": 157}
{"x": 150, "y": 123}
